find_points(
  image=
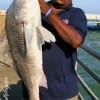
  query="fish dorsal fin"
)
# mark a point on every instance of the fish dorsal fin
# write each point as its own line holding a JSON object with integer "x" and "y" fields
{"x": 46, "y": 35}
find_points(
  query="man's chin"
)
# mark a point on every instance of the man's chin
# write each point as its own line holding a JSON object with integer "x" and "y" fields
{"x": 58, "y": 5}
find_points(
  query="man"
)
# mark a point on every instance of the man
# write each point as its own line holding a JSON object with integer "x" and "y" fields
{"x": 69, "y": 25}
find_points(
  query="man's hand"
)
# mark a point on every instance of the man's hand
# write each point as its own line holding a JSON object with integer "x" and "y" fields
{"x": 43, "y": 6}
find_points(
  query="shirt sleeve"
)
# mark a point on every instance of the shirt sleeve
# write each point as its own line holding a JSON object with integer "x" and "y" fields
{"x": 79, "y": 21}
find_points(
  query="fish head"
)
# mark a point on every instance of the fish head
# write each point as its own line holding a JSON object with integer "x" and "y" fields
{"x": 27, "y": 10}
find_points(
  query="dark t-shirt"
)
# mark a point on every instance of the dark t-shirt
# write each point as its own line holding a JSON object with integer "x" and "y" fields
{"x": 59, "y": 58}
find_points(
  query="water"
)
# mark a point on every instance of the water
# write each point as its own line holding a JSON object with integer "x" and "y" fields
{"x": 92, "y": 40}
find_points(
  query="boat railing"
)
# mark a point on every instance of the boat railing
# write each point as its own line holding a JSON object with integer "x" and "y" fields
{"x": 95, "y": 54}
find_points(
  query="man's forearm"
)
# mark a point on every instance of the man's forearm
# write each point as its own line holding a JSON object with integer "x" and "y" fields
{"x": 68, "y": 33}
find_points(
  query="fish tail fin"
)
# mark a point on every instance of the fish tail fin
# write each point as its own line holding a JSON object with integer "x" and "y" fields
{"x": 46, "y": 35}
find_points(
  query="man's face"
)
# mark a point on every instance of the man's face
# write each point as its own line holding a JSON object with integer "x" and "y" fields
{"x": 62, "y": 2}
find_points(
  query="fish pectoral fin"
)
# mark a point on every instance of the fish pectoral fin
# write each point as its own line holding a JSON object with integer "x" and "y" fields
{"x": 46, "y": 35}
{"x": 28, "y": 34}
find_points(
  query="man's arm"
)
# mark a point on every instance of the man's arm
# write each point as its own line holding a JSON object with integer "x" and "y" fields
{"x": 68, "y": 33}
